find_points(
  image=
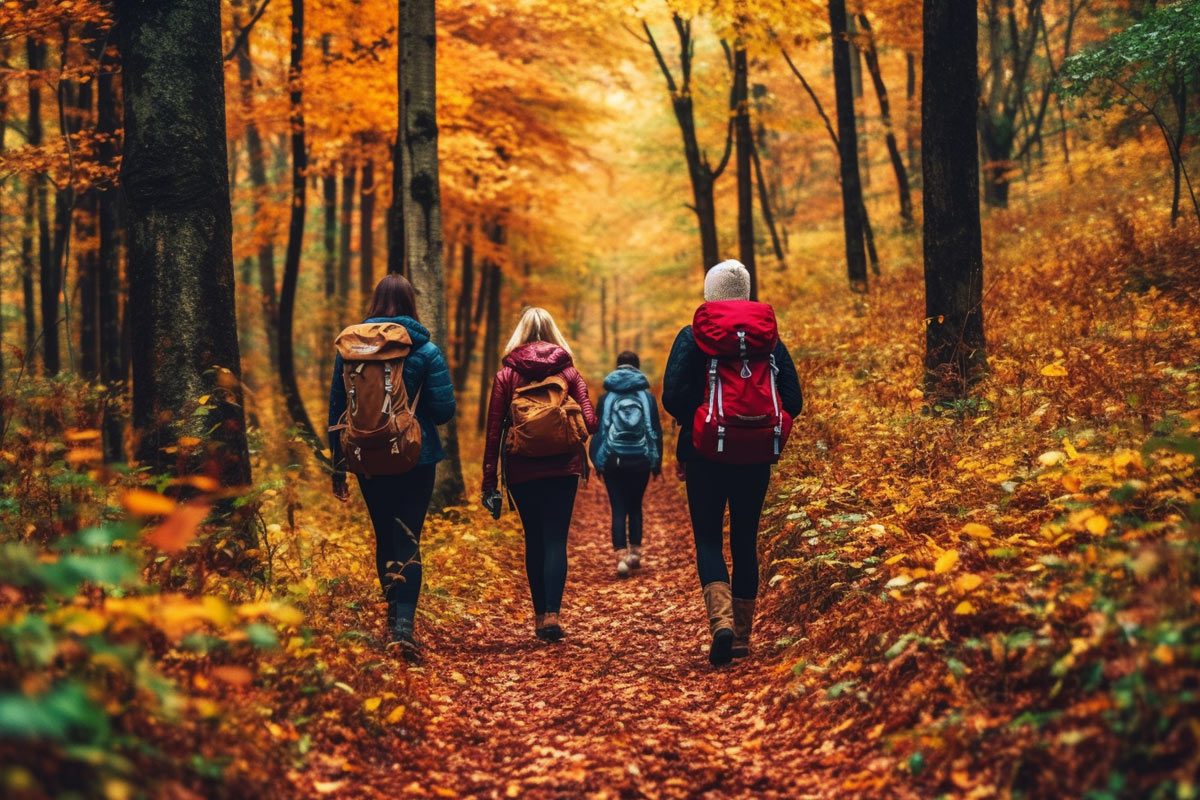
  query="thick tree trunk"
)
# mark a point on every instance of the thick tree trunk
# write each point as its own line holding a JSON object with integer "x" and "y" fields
{"x": 490, "y": 357}
{"x": 852, "y": 203}
{"x": 744, "y": 147}
{"x": 871, "y": 57}
{"x": 187, "y": 371}
{"x": 954, "y": 339}
{"x": 366, "y": 230}
{"x": 291, "y": 266}
{"x": 422, "y": 207}
{"x": 89, "y": 259}
{"x": 113, "y": 376}
{"x": 28, "y": 292}
{"x": 345, "y": 248}
{"x": 856, "y": 86}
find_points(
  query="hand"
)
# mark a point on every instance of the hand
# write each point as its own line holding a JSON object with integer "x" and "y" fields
{"x": 680, "y": 471}
{"x": 492, "y": 502}
{"x": 341, "y": 490}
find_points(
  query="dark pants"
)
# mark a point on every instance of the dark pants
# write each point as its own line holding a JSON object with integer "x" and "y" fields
{"x": 545, "y": 506}
{"x": 397, "y": 505}
{"x": 625, "y": 491}
{"x": 744, "y": 487}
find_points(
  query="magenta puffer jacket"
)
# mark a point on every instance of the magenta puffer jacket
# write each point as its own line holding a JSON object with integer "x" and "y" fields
{"x": 528, "y": 363}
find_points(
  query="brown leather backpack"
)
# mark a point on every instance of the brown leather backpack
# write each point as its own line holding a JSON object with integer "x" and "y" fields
{"x": 380, "y": 433}
{"x": 545, "y": 420}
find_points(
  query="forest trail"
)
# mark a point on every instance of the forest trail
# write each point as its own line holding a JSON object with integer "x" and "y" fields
{"x": 626, "y": 706}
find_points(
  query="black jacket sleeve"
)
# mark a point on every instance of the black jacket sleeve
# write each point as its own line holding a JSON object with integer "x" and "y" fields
{"x": 594, "y": 442}
{"x": 683, "y": 378}
{"x": 337, "y": 407}
{"x": 656, "y": 425}
{"x": 788, "y": 382}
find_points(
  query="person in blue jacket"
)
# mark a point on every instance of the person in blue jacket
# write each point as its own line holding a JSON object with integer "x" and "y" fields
{"x": 397, "y": 503}
{"x": 625, "y": 452}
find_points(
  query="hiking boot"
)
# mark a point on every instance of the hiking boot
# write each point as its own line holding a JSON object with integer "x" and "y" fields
{"x": 718, "y": 602}
{"x": 403, "y": 640}
{"x": 743, "y": 623}
{"x": 634, "y": 558}
{"x": 622, "y": 564}
{"x": 551, "y": 631}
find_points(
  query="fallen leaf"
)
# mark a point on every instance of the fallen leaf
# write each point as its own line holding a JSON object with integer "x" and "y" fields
{"x": 178, "y": 529}
{"x": 946, "y": 562}
{"x": 144, "y": 503}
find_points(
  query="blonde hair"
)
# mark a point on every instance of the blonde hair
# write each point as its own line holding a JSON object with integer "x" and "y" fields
{"x": 536, "y": 325}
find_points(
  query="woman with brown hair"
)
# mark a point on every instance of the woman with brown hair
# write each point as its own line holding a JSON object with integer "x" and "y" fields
{"x": 397, "y": 503}
{"x": 542, "y": 468}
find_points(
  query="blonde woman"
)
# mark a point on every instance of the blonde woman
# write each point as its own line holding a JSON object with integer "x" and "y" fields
{"x": 541, "y": 463}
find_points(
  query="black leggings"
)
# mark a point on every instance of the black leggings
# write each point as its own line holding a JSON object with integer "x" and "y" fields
{"x": 545, "y": 506}
{"x": 625, "y": 491}
{"x": 397, "y": 505}
{"x": 744, "y": 487}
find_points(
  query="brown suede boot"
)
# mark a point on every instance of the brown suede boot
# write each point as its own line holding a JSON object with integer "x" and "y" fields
{"x": 718, "y": 600}
{"x": 743, "y": 623}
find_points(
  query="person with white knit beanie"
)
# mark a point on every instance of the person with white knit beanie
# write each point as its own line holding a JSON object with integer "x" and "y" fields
{"x": 715, "y": 479}
{"x": 729, "y": 280}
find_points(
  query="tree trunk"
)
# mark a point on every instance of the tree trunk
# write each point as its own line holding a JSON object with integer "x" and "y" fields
{"x": 764, "y": 202}
{"x": 744, "y": 145}
{"x": 48, "y": 274}
{"x": 187, "y": 371}
{"x": 490, "y": 357}
{"x": 28, "y": 292}
{"x": 112, "y": 374}
{"x": 345, "y": 247}
{"x": 89, "y": 260}
{"x": 954, "y": 338}
{"x": 259, "y": 196}
{"x": 366, "y": 230}
{"x": 465, "y": 340}
{"x": 422, "y": 208}
{"x": 910, "y": 112}
{"x": 856, "y": 86}
{"x": 871, "y": 57}
{"x": 291, "y": 266}
{"x": 329, "y": 240}
{"x": 4, "y": 52}
{"x": 852, "y": 203}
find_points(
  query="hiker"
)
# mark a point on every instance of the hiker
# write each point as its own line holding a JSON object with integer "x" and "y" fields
{"x": 732, "y": 386}
{"x": 385, "y": 431}
{"x": 539, "y": 417}
{"x": 626, "y": 451}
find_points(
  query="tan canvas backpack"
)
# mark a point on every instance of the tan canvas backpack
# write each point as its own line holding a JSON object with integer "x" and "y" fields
{"x": 545, "y": 420}
{"x": 380, "y": 433}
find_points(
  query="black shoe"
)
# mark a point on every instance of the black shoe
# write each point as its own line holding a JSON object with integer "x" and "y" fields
{"x": 551, "y": 633}
{"x": 402, "y": 639}
{"x": 721, "y": 651}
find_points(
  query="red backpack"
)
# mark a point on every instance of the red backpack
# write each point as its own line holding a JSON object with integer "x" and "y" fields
{"x": 740, "y": 421}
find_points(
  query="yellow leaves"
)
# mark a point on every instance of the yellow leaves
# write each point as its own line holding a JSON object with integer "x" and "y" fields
{"x": 372, "y": 703}
{"x": 945, "y": 562}
{"x": 178, "y": 529}
{"x": 280, "y": 612}
{"x": 967, "y": 583}
{"x": 232, "y": 674}
{"x": 895, "y": 559}
{"x": 1054, "y": 369}
{"x": 395, "y": 715}
{"x": 1052, "y": 458}
{"x": 977, "y": 530}
{"x": 144, "y": 503}
{"x": 1163, "y": 654}
{"x": 458, "y": 678}
{"x": 964, "y": 608}
{"x": 1097, "y": 524}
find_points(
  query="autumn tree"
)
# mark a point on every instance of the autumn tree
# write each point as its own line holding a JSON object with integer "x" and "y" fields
{"x": 187, "y": 370}
{"x": 954, "y": 338}
{"x": 871, "y": 56}
{"x": 852, "y": 204}
{"x": 421, "y": 209}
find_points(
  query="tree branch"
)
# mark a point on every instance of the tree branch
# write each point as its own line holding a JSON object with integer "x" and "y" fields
{"x": 658, "y": 56}
{"x": 243, "y": 34}
{"x": 816, "y": 102}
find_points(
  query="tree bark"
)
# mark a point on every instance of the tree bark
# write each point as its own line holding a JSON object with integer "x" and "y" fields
{"x": 366, "y": 230}
{"x": 422, "y": 244}
{"x": 345, "y": 248}
{"x": 955, "y": 353}
{"x": 465, "y": 335}
{"x": 291, "y": 266}
{"x": 112, "y": 373}
{"x": 256, "y": 155}
{"x": 871, "y": 57}
{"x": 187, "y": 370}
{"x": 28, "y": 292}
{"x": 764, "y": 202}
{"x": 89, "y": 260}
{"x": 48, "y": 275}
{"x": 329, "y": 184}
{"x": 490, "y": 357}
{"x": 744, "y": 146}
{"x": 911, "y": 112}
{"x": 702, "y": 174}
{"x": 852, "y": 203}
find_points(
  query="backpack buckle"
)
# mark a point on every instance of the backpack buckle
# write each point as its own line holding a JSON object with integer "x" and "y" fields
{"x": 742, "y": 343}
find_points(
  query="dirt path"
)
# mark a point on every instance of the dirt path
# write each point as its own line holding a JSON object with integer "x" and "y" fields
{"x": 625, "y": 706}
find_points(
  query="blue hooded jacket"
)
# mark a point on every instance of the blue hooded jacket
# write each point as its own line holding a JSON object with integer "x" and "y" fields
{"x": 425, "y": 369}
{"x": 627, "y": 378}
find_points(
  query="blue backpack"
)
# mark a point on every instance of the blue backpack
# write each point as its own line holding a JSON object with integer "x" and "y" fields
{"x": 629, "y": 441}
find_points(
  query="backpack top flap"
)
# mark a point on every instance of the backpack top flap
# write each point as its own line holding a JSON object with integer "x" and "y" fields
{"x": 550, "y": 391}
{"x": 374, "y": 341}
{"x": 735, "y": 328}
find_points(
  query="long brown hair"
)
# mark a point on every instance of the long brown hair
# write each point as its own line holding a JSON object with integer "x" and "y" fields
{"x": 393, "y": 297}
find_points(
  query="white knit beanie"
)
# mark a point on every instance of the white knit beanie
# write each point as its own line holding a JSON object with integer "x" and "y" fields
{"x": 728, "y": 280}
